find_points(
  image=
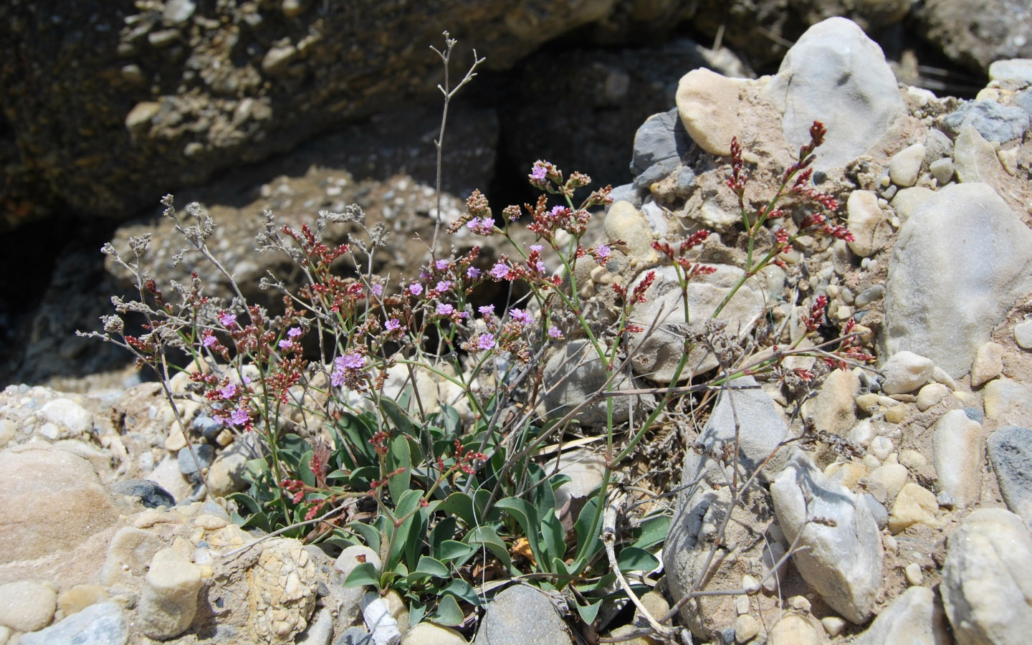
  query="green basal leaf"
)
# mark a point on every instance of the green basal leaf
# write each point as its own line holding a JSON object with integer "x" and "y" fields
{"x": 363, "y": 574}
{"x": 397, "y": 415}
{"x": 292, "y": 448}
{"x": 583, "y": 526}
{"x": 463, "y": 591}
{"x": 588, "y": 613}
{"x": 452, "y": 551}
{"x": 370, "y": 535}
{"x": 445, "y": 530}
{"x": 486, "y": 536}
{"x": 553, "y": 536}
{"x": 407, "y": 504}
{"x": 460, "y": 505}
{"x": 555, "y": 481}
{"x": 652, "y": 531}
{"x": 451, "y": 420}
{"x": 448, "y": 612}
{"x": 417, "y": 537}
{"x": 304, "y": 469}
{"x": 245, "y": 500}
{"x": 432, "y": 567}
{"x": 416, "y": 612}
{"x": 399, "y": 458}
{"x": 526, "y": 516}
{"x": 635, "y": 559}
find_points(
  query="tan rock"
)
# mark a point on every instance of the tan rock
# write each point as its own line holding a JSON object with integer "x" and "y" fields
{"x": 80, "y": 597}
{"x": 708, "y": 105}
{"x": 987, "y": 365}
{"x": 169, "y": 600}
{"x": 26, "y": 606}
{"x": 793, "y": 629}
{"x": 913, "y": 504}
{"x": 129, "y": 553}
{"x": 834, "y": 409}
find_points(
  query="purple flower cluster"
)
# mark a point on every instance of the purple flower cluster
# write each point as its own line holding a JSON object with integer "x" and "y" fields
{"x": 483, "y": 226}
{"x": 346, "y": 369}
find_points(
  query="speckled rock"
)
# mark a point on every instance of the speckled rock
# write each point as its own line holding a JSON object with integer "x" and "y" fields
{"x": 521, "y": 615}
{"x": 282, "y": 592}
{"x": 1010, "y": 451}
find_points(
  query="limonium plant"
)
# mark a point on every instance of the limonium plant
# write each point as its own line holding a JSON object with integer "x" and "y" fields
{"x": 404, "y": 412}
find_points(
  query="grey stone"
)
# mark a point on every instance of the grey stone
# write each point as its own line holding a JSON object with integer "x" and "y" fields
{"x": 1018, "y": 69}
{"x": 189, "y": 466}
{"x": 842, "y": 559}
{"x": 837, "y": 75}
{"x": 1024, "y": 100}
{"x": 878, "y": 511}
{"x": 975, "y": 414}
{"x": 320, "y": 630}
{"x": 914, "y": 617}
{"x": 942, "y": 170}
{"x": 149, "y": 493}
{"x": 576, "y": 372}
{"x": 993, "y": 121}
{"x": 974, "y": 33}
{"x": 1010, "y": 452}
{"x": 987, "y": 579}
{"x": 957, "y": 447}
{"x": 937, "y": 146}
{"x": 661, "y": 138}
{"x": 960, "y": 259}
{"x": 208, "y": 427}
{"x": 869, "y": 295}
{"x": 626, "y": 193}
{"x": 178, "y": 11}
{"x": 522, "y": 615}
{"x": 662, "y": 350}
{"x": 99, "y": 624}
{"x": 355, "y": 636}
{"x": 655, "y": 173}
{"x": 1023, "y": 334}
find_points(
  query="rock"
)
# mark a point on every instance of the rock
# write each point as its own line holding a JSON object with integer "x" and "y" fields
{"x": 931, "y": 395}
{"x": 1024, "y": 101}
{"x": 958, "y": 259}
{"x": 975, "y": 159}
{"x": 69, "y": 414}
{"x": 100, "y": 624}
{"x": 708, "y": 105}
{"x": 746, "y": 628}
{"x": 1010, "y": 452}
{"x": 909, "y": 200}
{"x": 905, "y": 166}
{"x": 1008, "y": 401}
{"x": 906, "y": 372}
{"x": 149, "y": 493}
{"x": 837, "y": 75}
{"x": 574, "y": 373}
{"x": 430, "y": 634}
{"x": 169, "y": 600}
{"x": 987, "y": 365}
{"x": 842, "y": 562}
{"x": 661, "y": 138}
{"x": 986, "y": 588}
{"x": 833, "y": 625}
{"x": 914, "y": 617}
{"x": 625, "y": 223}
{"x": 889, "y": 480}
{"x": 521, "y": 615}
{"x": 974, "y": 33}
{"x": 188, "y": 464}
{"x": 57, "y": 498}
{"x": 178, "y": 11}
{"x": 867, "y": 222}
{"x": 957, "y": 450}
{"x": 138, "y": 121}
{"x": 793, "y": 629}
{"x": 168, "y": 476}
{"x": 226, "y": 474}
{"x": 79, "y": 598}
{"x": 129, "y": 552}
{"x": 869, "y": 295}
{"x": 585, "y": 470}
{"x": 834, "y": 409}
{"x": 1016, "y": 69}
{"x": 320, "y": 630}
{"x": 913, "y": 505}
{"x": 993, "y": 121}
{"x": 27, "y": 606}
{"x": 942, "y": 170}
{"x": 662, "y": 351}
{"x": 1023, "y": 334}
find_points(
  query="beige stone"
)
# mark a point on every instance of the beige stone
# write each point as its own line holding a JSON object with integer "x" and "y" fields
{"x": 930, "y": 395}
{"x": 80, "y": 597}
{"x": 626, "y": 224}
{"x": 430, "y": 634}
{"x": 708, "y": 105}
{"x": 793, "y": 629}
{"x": 169, "y": 600}
{"x": 129, "y": 553}
{"x": 913, "y": 505}
{"x": 867, "y": 222}
{"x": 834, "y": 409}
{"x": 746, "y": 628}
{"x": 988, "y": 364}
{"x": 26, "y": 606}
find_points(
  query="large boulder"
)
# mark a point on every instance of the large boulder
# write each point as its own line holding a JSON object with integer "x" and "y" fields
{"x": 974, "y": 33}
{"x": 961, "y": 260}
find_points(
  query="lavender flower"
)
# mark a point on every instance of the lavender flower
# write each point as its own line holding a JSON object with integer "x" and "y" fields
{"x": 500, "y": 271}
{"x": 442, "y": 265}
{"x": 445, "y": 309}
{"x": 228, "y": 392}
{"x": 486, "y": 310}
{"x": 536, "y": 248}
{"x": 239, "y": 417}
{"x": 377, "y": 290}
{"x": 209, "y": 340}
{"x": 522, "y": 316}
{"x": 443, "y": 286}
{"x": 227, "y": 320}
{"x": 603, "y": 252}
{"x": 486, "y": 342}
{"x": 415, "y": 288}
{"x": 294, "y": 332}
{"x": 285, "y": 343}
{"x": 554, "y": 332}
{"x": 392, "y": 325}
{"x": 473, "y": 273}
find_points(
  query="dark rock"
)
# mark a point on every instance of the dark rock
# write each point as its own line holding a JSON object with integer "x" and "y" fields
{"x": 661, "y": 138}
{"x": 1010, "y": 451}
{"x": 974, "y": 33}
{"x": 993, "y": 121}
{"x": 150, "y": 493}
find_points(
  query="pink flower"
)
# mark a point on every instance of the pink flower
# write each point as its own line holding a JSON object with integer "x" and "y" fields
{"x": 521, "y": 316}
{"x": 445, "y": 309}
{"x": 603, "y": 252}
{"x": 239, "y": 417}
{"x": 227, "y": 320}
{"x": 473, "y": 273}
{"x": 500, "y": 271}
{"x": 442, "y": 265}
{"x": 392, "y": 325}
{"x": 536, "y": 248}
{"x": 538, "y": 173}
{"x": 415, "y": 288}
{"x": 228, "y": 392}
{"x": 285, "y": 343}
{"x": 554, "y": 332}
{"x": 443, "y": 286}
{"x": 377, "y": 290}
{"x": 486, "y": 341}
{"x": 486, "y": 310}
{"x": 294, "y": 332}
{"x": 352, "y": 361}
{"x": 209, "y": 339}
